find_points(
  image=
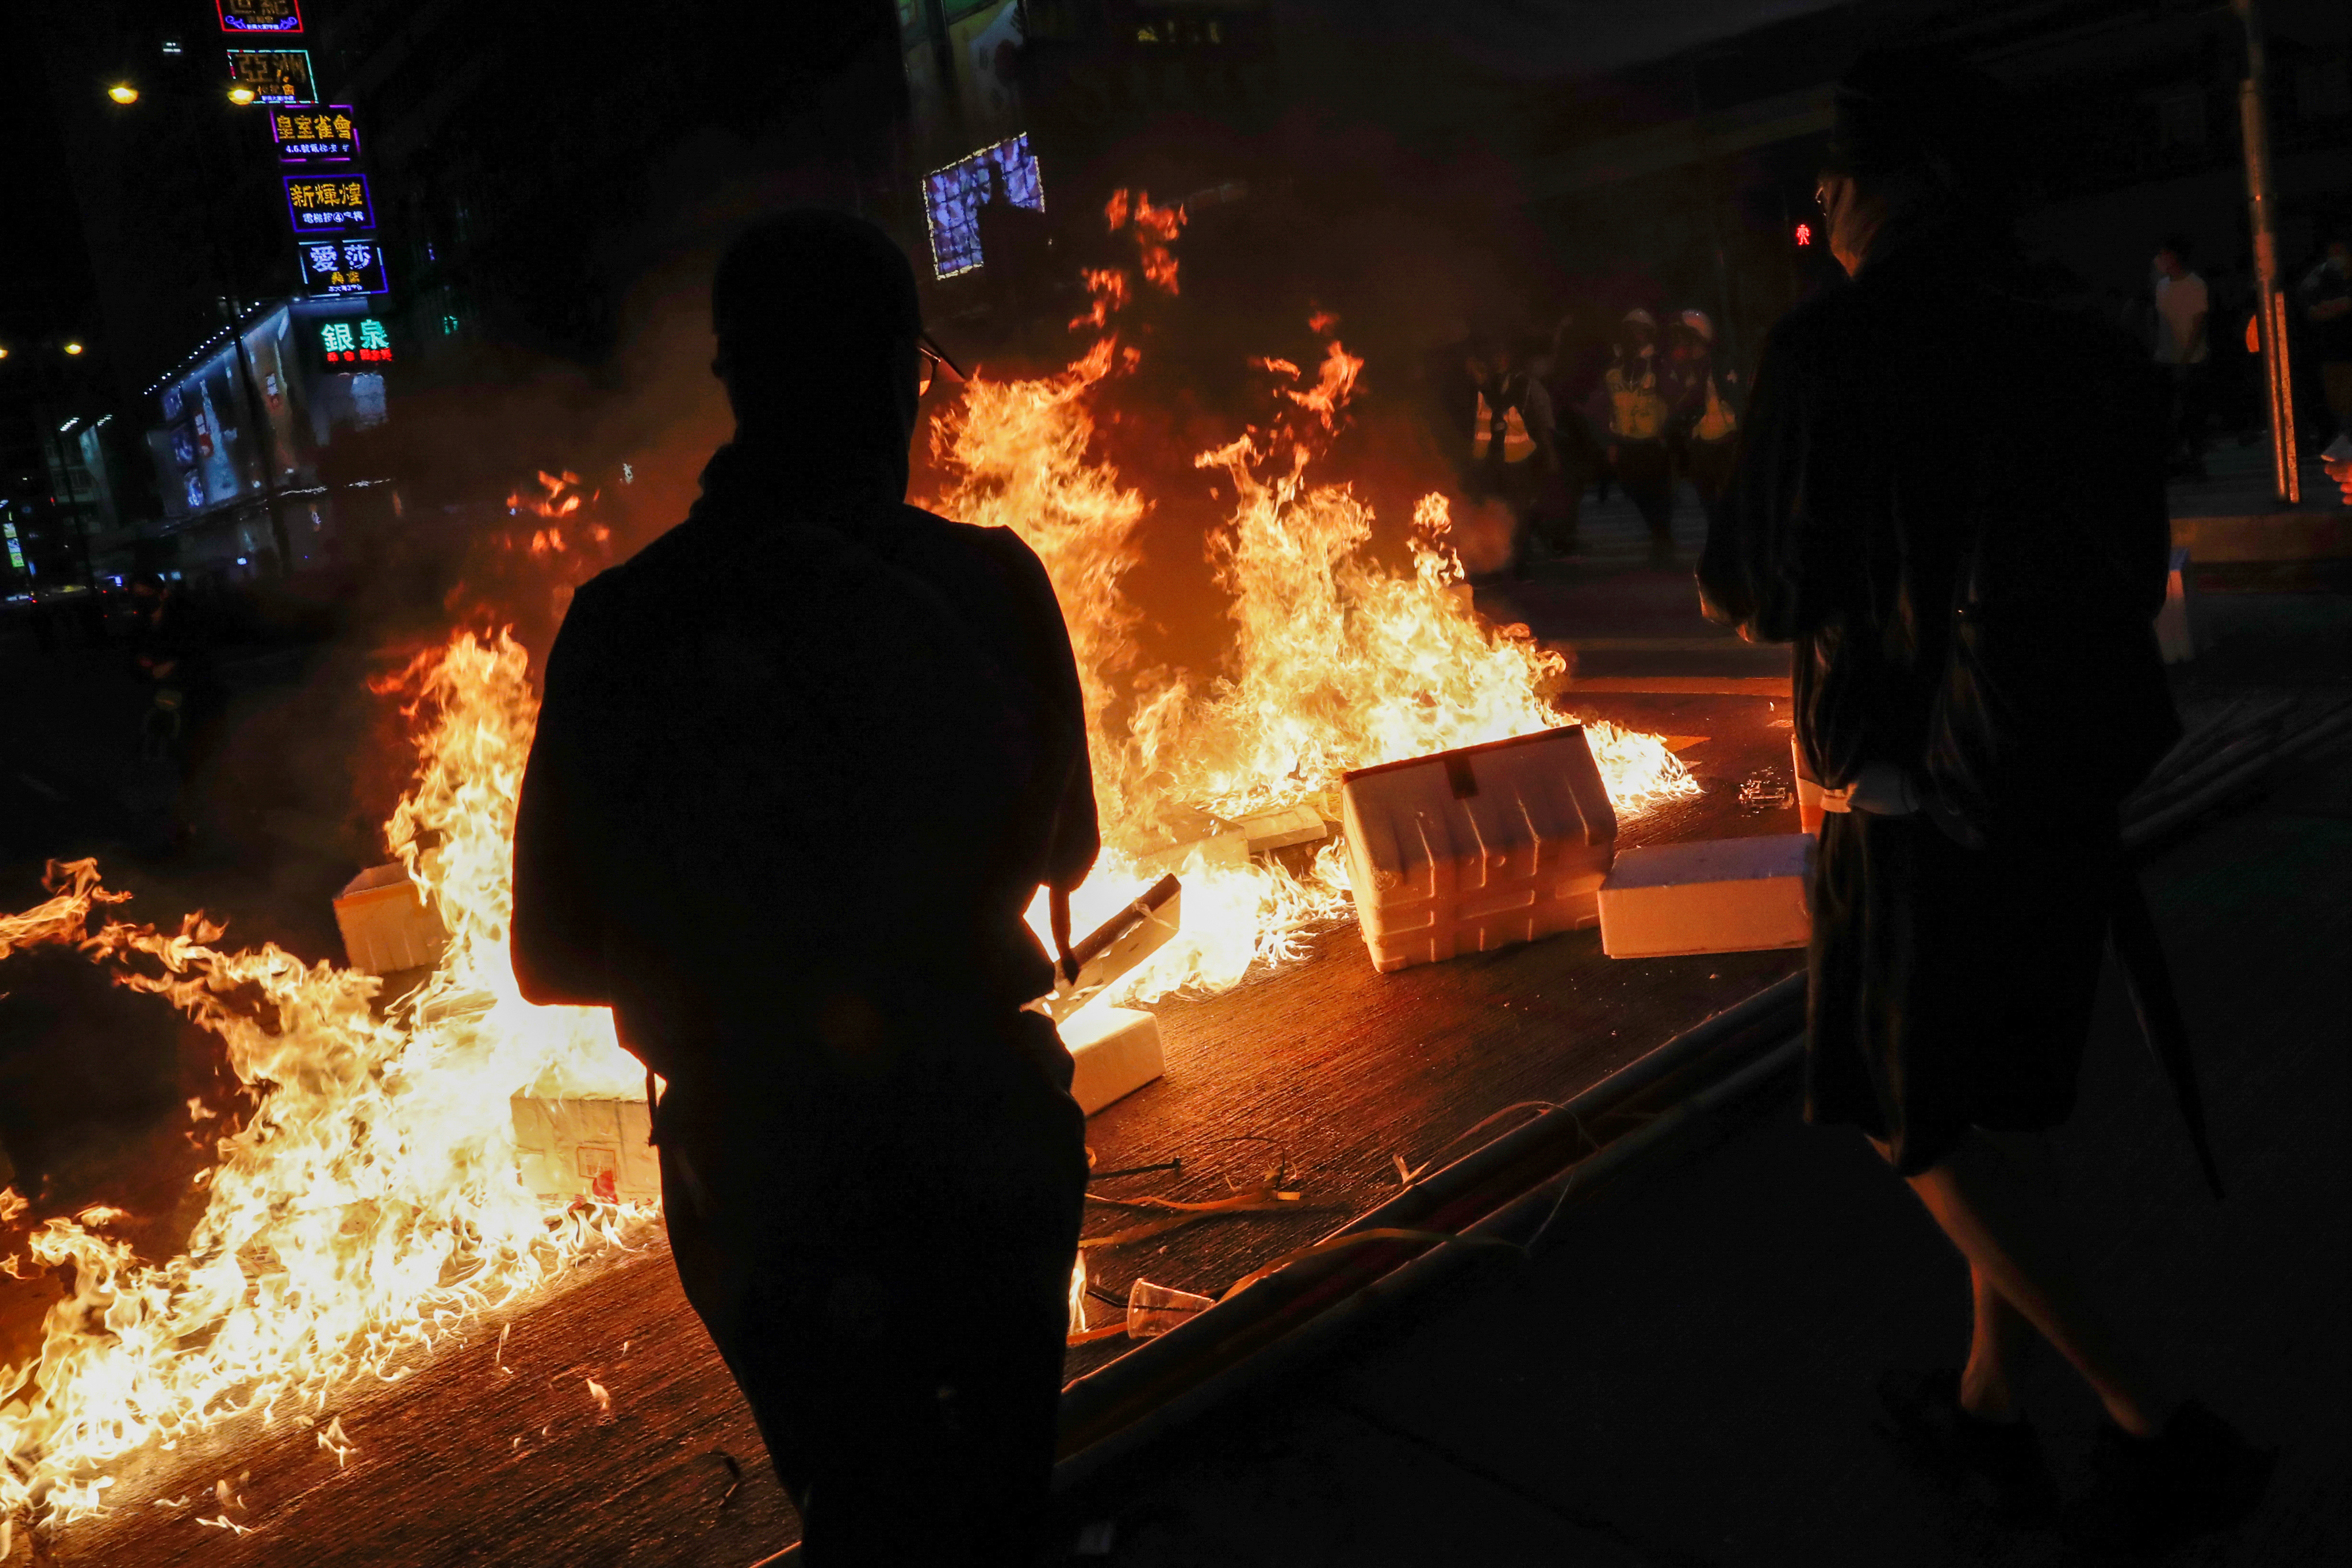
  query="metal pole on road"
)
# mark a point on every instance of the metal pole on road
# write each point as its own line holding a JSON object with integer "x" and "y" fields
{"x": 2253, "y": 114}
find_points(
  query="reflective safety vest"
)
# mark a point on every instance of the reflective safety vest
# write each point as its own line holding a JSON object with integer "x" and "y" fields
{"x": 1637, "y": 411}
{"x": 1510, "y": 430}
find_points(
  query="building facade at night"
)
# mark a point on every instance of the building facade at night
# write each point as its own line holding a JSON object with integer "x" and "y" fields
{"x": 526, "y": 192}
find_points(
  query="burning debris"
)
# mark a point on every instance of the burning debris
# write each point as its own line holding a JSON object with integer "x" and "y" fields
{"x": 1336, "y": 662}
{"x": 374, "y": 1198}
{"x": 580, "y": 1146}
{"x": 386, "y": 925}
{"x": 370, "y": 1200}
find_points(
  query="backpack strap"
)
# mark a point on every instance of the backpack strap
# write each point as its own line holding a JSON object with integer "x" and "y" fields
{"x": 2132, "y": 931}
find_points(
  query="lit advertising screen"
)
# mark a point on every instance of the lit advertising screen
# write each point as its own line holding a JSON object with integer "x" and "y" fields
{"x": 276, "y": 76}
{"x": 260, "y": 16}
{"x": 335, "y": 267}
{"x": 954, "y": 197}
{"x": 323, "y": 135}
{"x": 328, "y": 203}
{"x": 201, "y": 438}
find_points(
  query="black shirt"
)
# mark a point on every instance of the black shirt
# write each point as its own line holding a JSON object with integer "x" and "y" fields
{"x": 1884, "y": 417}
{"x": 801, "y": 748}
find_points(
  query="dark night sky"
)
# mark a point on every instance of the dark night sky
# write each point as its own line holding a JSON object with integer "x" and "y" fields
{"x": 45, "y": 285}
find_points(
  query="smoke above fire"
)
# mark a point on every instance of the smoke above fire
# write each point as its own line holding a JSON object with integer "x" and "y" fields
{"x": 366, "y": 1203}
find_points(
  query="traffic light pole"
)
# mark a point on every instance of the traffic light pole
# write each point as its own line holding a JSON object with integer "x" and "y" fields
{"x": 2253, "y": 113}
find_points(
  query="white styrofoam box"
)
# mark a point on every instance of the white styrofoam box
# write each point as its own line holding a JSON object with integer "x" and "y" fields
{"x": 1809, "y": 788}
{"x": 1474, "y": 849}
{"x": 1228, "y": 849}
{"x": 386, "y": 924}
{"x": 1232, "y": 846}
{"x": 1708, "y": 895}
{"x": 2172, "y": 638}
{"x": 1281, "y": 830}
{"x": 586, "y": 1147}
{"x": 1116, "y": 1050}
{"x": 1118, "y": 945}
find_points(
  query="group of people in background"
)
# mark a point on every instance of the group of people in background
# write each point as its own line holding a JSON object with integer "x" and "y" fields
{"x": 1540, "y": 423}
{"x": 2204, "y": 334}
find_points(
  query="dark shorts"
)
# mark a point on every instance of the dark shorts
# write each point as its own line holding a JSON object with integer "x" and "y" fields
{"x": 1950, "y": 988}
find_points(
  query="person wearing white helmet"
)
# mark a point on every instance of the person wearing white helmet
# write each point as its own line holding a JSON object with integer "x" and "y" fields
{"x": 1635, "y": 409}
{"x": 1703, "y": 426}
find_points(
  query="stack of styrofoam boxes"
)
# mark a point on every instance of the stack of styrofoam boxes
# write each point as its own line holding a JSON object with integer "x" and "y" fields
{"x": 387, "y": 926}
{"x": 582, "y": 1147}
{"x": 1708, "y": 895}
{"x": 1470, "y": 850}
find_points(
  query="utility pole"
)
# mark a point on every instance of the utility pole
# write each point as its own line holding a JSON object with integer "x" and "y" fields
{"x": 2253, "y": 113}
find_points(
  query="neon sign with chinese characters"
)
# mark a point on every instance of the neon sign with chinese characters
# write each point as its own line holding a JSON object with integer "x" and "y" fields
{"x": 308, "y": 135}
{"x": 328, "y": 204}
{"x": 334, "y": 266}
{"x": 349, "y": 342}
{"x": 276, "y": 76}
{"x": 260, "y": 16}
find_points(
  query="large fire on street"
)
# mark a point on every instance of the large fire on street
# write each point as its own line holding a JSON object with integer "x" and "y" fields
{"x": 367, "y": 1203}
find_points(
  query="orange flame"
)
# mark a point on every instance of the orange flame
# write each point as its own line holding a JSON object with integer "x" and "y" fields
{"x": 1334, "y": 387}
{"x": 371, "y": 1202}
{"x": 1336, "y": 662}
{"x": 559, "y": 496}
{"x": 1155, "y": 231}
{"x": 1110, "y": 288}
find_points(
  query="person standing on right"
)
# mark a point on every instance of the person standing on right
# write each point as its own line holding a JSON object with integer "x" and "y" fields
{"x": 2183, "y": 309}
{"x": 1967, "y": 563}
{"x": 2325, "y": 295}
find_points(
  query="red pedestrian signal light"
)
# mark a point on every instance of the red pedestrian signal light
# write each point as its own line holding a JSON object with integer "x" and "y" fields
{"x": 1804, "y": 234}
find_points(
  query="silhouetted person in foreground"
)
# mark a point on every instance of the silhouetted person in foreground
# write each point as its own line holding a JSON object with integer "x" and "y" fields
{"x": 802, "y": 764}
{"x": 1968, "y": 562}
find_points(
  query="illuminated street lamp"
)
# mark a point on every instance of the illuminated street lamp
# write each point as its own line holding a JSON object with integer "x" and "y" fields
{"x": 123, "y": 93}
{"x": 73, "y": 348}
{"x": 240, "y": 95}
